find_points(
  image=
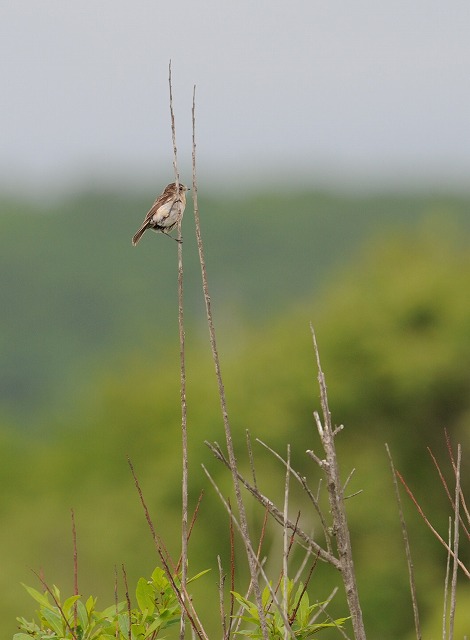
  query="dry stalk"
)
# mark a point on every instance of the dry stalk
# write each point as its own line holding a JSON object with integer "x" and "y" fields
{"x": 116, "y": 603}
{"x": 221, "y": 598}
{"x": 324, "y": 604}
{"x": 304, "y": 539}
{"x": 57, "y": 603}
{"x": 451, "y": 456}
{"x": 250, "y": 457}
{"x": 455, "y": 567}
{"x": 128, "y": 601}
{"x": 429, "y": 525}
{"x": 184, "y": 427}
{"x": 75, "y": 569}
{"x": 169, "y": 568}
{"x": 336, "y": 499}
{"x": 446, "y": 583}
{"x": 223, "y": 403}
{"x": 256, "y": 562}
{"x": 409, "y": 560}
{"x": 446, "y": 488}
{"x": 314, "y": 499}
{"x": 285, "y": 535}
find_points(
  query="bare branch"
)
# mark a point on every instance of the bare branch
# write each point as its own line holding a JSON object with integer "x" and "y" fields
{"x": 277, "y": 514}
{"x": 303, "y": 482}
{"x": 446, "y": 488}
{"x": 285, "y": 536}
{"x": 223, "y": 403}
{"x": 453, "y": 590}
{"x": 255, "y": 559}
{"x": 250, "y": 457}
{"x": 446, "y": 584}
{"x": 184, "y": 425}
{"x": 409, "y": 560}
{"x": 57, "y": 603}
{"x": 75, "y": 569}
{"x": 336, "y": 499}
{"x": 128, "y": 600}
{"x": 183, "y": 599}
{"x": 221, "y": 598}
{"x": 315, "y": 458}
{"x": 426, "y": 520}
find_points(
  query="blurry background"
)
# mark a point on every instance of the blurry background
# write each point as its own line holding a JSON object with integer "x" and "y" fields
{"x": 333, "y": 155}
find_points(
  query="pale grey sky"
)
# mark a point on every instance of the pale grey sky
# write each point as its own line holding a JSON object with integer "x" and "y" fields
{"x": 362, "y": 90}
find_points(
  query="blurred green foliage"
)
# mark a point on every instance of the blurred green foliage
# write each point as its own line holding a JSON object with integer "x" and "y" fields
{"x": 90, "y": 367}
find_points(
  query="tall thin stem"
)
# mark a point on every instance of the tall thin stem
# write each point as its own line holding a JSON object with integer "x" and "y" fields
{"x": 184, "y": 430}
{"x": 252, "y": 562}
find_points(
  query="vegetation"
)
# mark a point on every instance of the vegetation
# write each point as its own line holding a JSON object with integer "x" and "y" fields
{"x": 392, "y": 324}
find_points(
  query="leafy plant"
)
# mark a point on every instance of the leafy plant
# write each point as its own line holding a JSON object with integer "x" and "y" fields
{"x": 158, "y": 608}
{"x": 300, "y": 615}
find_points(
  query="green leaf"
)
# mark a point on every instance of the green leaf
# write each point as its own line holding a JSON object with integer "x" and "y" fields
{"x": 83, "y": 617}
{"x": 198, "y": 575}
{"x": 159, "y": 579}
{"x": 110, "y": 612}
{"x": 265, "y": 596}
{"x": 123, "y": 621}
{"x": 145, "y": 594}
{"x": 90, "y": 604}
{"x": 54, "y": 620}
{"x": 67, "y": 606}
{"x": 39, "y": 597}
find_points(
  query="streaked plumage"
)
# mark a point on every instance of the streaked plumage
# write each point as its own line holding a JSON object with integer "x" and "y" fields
{"x": 165, "y": 212}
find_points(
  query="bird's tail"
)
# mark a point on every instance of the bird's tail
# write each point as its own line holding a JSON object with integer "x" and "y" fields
{"x": 139, "y": 234}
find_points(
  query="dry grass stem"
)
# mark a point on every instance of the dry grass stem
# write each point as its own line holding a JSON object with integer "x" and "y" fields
{"x": 314, "y": 500}
{"x": 446, "y": 488}
{"x": 303, "y": 564}
{"x": 221, "y": 598}
{"x": 446, "y": 584}
{"x": 184, "y": 430}
{"x": 277, "y": 514}
{"x": 223, "y": 403}
{"x": 409, "y": 560}
{"x": 330, "y": 619}
{"x": 57, "y": 603}
{"x": 429, "y": 525}
{"x": 317, "y": 613}
{"x": 128, "y": 600}
{"x": 255, "y": 560}
{"x": 453, "y": 589}
{"x": 75, "y": 568}
{"x": 285, "y": 535}
{"x": 451, "y": 456}
{"x": 169, "y": 567}
{"x": 304, "y": 589}
{"x": 250, "y": 457}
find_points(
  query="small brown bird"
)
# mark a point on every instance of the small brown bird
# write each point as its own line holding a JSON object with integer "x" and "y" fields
{"x": 165, "y": 212}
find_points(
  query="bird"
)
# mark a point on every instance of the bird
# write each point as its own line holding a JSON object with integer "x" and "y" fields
{"x": 165, "y": 212}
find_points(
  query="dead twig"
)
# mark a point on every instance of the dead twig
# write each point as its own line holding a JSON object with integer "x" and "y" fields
{"x": 453, "y": 588}
{"x": 409, "y": 560}
{"x": 223, "y": 403}
{"x": 336, "y": 499}
{"x": 429, "y": 525}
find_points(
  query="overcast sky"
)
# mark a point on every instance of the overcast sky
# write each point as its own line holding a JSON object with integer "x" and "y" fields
{"x": 366, "y": 90}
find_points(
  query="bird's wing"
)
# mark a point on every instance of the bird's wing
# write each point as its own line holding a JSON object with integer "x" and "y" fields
{"x": 154, "y": 208}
